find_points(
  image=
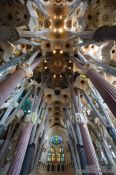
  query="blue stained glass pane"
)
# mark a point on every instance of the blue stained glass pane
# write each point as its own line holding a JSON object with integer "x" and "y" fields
{"x": 56, "y": 140}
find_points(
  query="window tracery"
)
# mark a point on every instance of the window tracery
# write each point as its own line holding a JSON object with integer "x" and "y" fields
{"x": 56, "y": 150}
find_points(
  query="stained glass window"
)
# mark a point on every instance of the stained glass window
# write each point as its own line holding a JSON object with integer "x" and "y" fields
{"x": 26, "y": 107}
{"x": 49, "y": 157}
{"x": 51, "y": 154}
{"x": 62, "y": 157}
{"x": 56, "y": 150}
{"x": 56, "y": 140}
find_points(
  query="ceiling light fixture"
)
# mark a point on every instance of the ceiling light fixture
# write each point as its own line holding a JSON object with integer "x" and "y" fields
{"x": 55, "y": 30}
{"x": 61, "y": 51}
{"x": 54, "y": 76}
{"x": 60, "y": 30}
{"x": 54, "y": 51}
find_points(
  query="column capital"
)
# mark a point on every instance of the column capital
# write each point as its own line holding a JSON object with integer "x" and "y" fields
{"x": 28, "y": 70}
{"x": 32, "y": 117}
{"x": 80, "y": 118}
{"x": 83, "y": 76}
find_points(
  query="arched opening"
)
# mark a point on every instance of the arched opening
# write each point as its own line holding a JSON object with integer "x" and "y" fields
{"x": 48, "y": 167}
{"x": 52, "y": 167}
{"x": 58, "y": 167}
{"x": 62, "y": 167}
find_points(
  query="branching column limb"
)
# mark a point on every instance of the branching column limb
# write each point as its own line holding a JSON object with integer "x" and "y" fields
{"x": 109, "y": 127}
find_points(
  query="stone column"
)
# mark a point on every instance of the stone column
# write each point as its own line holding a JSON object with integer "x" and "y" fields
{"x": 107, "y": 123}
{"x": 71, "y": 139}
{"x": 78, "y": 158}
{"x": 72, "y": 130}
{"x": 107, "y": 152}
{"x": 17, "y": 161}
{"x": 73, "y": 155}
{"x": 87, "y": 142}
{"x": 80, "y": 147}
{"x": 29, "y": 156}
{"x": 6, "y": 144}
{"x": 28, "y": 160}
{"x": 89, "y": 148}
{"x": 38, "y": 141}
{"x": 106, "y": 90}
{"x": 38, "y": 153}
{"x": 10, "y": 83}
{"x": 4, "y": 151}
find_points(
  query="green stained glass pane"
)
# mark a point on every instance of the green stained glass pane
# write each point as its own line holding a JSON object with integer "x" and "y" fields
{"x": 26, "y": 107}
{"x": 62, "y": 159}
{"x": 49, "y": 159}
{"x": 62, "y": 155}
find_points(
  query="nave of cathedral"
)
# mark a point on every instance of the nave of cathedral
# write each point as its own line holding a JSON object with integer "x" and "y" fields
{"x": 57, "y": 87}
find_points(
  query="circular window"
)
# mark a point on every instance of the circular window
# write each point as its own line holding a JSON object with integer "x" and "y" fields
{"x": 56, "y": 140}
